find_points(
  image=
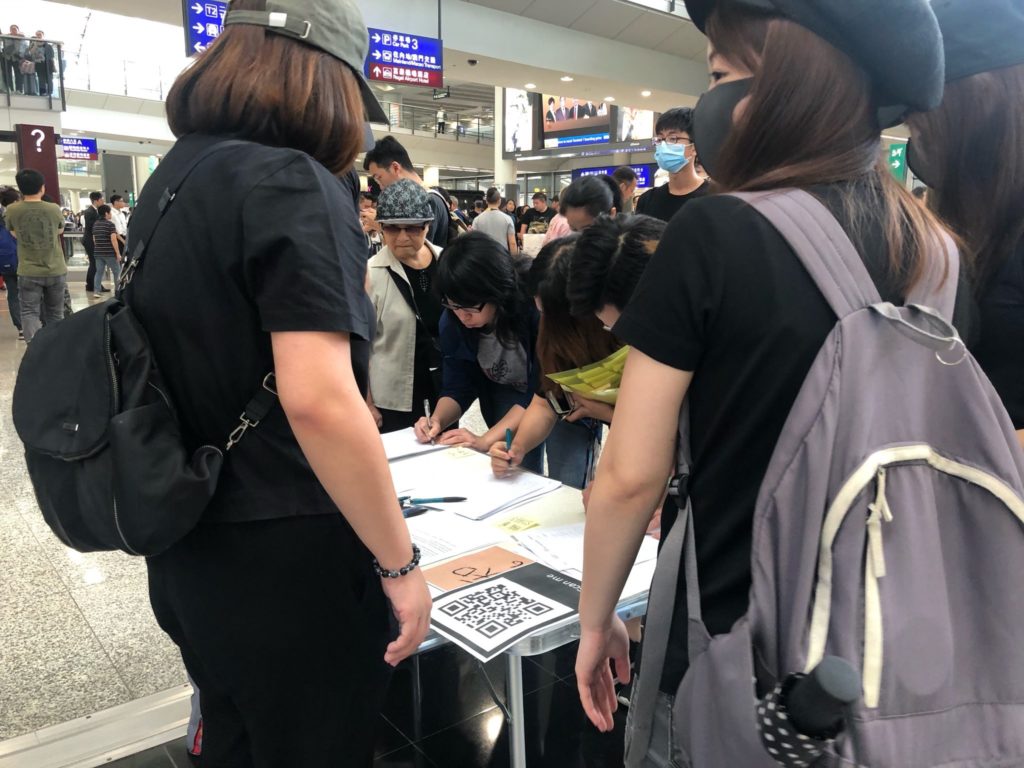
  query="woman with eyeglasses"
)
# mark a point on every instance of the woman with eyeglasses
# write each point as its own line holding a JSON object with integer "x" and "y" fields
{"x": 676, "y": 155}
{"x": 405, "y": 369}
{"x": 488, "y": 340}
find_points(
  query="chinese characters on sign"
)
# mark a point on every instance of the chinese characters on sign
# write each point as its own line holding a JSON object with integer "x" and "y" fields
{"x": 644, "y": 173}
{"x": 395, "y": 57}
{"x": 898, "y": 160}
{"x": 78, "y": 149}
{"x": 204, "y": 22}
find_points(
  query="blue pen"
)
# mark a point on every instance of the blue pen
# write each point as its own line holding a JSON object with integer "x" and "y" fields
{"x": 508, "y": 443}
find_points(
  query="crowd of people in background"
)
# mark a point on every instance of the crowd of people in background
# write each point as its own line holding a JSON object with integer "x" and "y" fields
{"x": 29, "y": 63}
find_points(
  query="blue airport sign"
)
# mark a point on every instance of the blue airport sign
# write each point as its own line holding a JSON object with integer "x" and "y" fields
{"x": 74, "y": 148}
{"x": 396, "y": 57}
{"x": 644, "y": 173}
{"x": 204, "y": 22}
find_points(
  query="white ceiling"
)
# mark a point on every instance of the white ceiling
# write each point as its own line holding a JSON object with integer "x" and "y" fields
{"x": 611, "y": 20}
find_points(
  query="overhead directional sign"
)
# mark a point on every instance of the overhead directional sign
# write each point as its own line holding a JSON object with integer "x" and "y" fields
{"x": 204, "y": 22}
{"x": 396, "y": 57}
{"x": 73, "y": 148}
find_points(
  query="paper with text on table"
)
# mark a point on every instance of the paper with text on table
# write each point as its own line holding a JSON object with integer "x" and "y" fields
{"x": 454, "y": 473}
{"x": 403, "y": 444}
{"x": 561, "y": 547}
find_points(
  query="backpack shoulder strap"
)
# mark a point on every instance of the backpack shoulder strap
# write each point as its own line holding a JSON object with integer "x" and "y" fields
{"x": 138, "y": 240}
{"x": 821, "y": 245}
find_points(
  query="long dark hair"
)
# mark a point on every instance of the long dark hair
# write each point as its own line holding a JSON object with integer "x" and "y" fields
{"x": 608, "y": 261}
{"x": 811, "y": 120}
{"x": 564, "y": 341}
{"x": 594, "y": 194}
{"x": 975, "y": 146}
{"x": 474, "y": 270}
{"x": 271, "y": 89}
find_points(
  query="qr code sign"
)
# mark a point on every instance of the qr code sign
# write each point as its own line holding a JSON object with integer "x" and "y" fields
{"x": 494, "y": 614}
{"x": 494, "y": 610}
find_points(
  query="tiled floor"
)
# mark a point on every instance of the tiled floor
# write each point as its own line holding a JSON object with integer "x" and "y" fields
{"x": 461, "y": 727}
{"x": 77, "y": 636}
{"x": 76, "y": 631}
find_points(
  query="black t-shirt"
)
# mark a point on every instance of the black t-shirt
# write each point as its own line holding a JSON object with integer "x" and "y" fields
{"x": 267, "y": 240}
{"x": 726, "y": 297}
{"x": 428, "y": 347}
{"x": 1000, "y": 350}
{"x": 438, "y": 232}
{"x": 662, "y": 204}
{"x": 533, "y": 216}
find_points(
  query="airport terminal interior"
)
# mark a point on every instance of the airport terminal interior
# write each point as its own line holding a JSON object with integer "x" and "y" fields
{"x": 524, "y": 96}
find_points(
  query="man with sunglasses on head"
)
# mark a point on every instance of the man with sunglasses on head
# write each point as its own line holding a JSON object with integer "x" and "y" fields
{"x": 675, "y": 153}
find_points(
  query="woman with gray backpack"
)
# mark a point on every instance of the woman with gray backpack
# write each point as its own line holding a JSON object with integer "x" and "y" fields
{"x": 837, "y": 586}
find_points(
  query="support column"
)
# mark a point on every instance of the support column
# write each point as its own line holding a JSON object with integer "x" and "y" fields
{"x": 505, "y": 171}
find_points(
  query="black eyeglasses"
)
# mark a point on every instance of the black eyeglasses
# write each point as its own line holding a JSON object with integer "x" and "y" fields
{"x": 412, "y": 229}
{"x": 471, "y": 309}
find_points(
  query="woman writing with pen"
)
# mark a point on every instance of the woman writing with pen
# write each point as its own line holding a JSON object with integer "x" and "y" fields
{"x": 488, "y": 342}
{"x": 582, "y": 285}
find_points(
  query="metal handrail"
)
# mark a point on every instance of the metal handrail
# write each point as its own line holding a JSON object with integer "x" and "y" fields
{"x": 15, "y": 82}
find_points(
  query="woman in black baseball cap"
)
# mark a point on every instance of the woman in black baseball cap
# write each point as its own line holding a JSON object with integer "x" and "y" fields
{"x": 284, "y": 600}
{"x": 970, "y": 152}
{"x": 726, "y": 316}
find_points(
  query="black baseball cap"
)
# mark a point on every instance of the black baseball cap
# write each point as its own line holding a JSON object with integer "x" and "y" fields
{"x": 897, "y": 42}
{"x": 980, "y": 35}
{"x": 335, "y": 27}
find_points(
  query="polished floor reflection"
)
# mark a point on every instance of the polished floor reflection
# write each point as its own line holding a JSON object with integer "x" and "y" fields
{"x": 458, "y": 725}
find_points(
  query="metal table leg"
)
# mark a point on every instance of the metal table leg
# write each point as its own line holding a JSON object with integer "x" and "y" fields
{"x": 517, "y": 724}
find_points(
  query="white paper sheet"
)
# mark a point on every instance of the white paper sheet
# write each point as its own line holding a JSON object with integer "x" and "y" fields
{"x": 442, "y": 535}
{"x": 456, "y": 472}
{"x": 562, "y": 547}
{"x": 403, "y": 443}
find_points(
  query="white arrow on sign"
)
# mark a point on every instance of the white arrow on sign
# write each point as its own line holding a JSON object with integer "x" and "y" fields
{"x": 896, "y": 164}
{"x": 199, "y": 28}
{"x": 376, "y": 71}
{"x": 376, "y": 37}
{"x": 199, "y": 47}
{"x": 376, "y": 55}
{"x": 197, "y": 8}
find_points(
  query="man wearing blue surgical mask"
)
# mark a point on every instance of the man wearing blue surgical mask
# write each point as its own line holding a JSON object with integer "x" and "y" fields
{"x": 675, "y": 153}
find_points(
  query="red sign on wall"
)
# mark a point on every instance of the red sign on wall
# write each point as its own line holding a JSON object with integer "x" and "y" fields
{"x": 37, "y": 149}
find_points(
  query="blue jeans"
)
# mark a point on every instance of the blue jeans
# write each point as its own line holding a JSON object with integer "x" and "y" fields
{"x": 102, "y": 262}
{"x": 41, "y": 297}
{"x": 13, "y": 302}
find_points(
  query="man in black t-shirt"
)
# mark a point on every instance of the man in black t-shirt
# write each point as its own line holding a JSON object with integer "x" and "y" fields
{"x": 89, "y": 217}
{"x": 676, "y": 155}
{"x": 536, "y": 222}
{"x": 388, "y": 162}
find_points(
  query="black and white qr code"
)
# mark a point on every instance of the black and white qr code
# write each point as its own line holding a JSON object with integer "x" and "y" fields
{"x": 494, "y": 609}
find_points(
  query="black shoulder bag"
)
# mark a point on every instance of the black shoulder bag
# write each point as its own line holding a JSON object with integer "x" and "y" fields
{"x": 102, "y": 440}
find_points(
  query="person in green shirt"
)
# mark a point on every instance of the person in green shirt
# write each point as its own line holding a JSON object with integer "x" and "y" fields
{"x": 42, "y": 271}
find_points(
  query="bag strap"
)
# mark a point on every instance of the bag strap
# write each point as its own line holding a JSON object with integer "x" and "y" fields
{"x": 828, "y": 255}
{"x": 822, "y": 246}
{"x": 266, "y": 396}
{"x": 137, "y": 241}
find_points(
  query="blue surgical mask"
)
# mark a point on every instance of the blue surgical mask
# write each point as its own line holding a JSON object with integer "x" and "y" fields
{"x": 671, "y": 157}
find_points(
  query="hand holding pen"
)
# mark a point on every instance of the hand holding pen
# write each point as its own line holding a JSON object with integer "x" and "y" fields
{"x": 427, "y": 429}
{"x": 505, "y": 456}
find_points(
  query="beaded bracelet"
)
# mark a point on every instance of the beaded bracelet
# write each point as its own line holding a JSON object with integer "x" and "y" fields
{"x": 404, "y": 570}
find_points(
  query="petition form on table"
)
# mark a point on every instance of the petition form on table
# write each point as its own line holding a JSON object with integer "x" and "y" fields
{"x": 453, "y": 473}
{"x": 403, "y": 444}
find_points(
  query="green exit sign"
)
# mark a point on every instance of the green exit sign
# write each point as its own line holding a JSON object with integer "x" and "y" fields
{"x": 898, "y": 161}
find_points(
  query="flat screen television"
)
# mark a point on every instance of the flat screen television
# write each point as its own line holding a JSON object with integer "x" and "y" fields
{"x": 573, "y": 122}
{"x": 520, "y": 121}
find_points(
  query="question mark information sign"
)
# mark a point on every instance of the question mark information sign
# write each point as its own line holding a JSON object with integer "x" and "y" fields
{"x": 37, "y": 149}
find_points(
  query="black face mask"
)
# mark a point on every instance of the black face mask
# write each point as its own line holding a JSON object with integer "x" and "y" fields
{"x": 712, "y": 120}
{"x": 920, "y": 165}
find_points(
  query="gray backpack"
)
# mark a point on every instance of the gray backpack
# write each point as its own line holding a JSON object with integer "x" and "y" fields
{"x": 887, "y": 533}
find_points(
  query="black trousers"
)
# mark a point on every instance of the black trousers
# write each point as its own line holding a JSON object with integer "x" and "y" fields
{"x": 283, "y": 625}
{"x": 90, "y": 273}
